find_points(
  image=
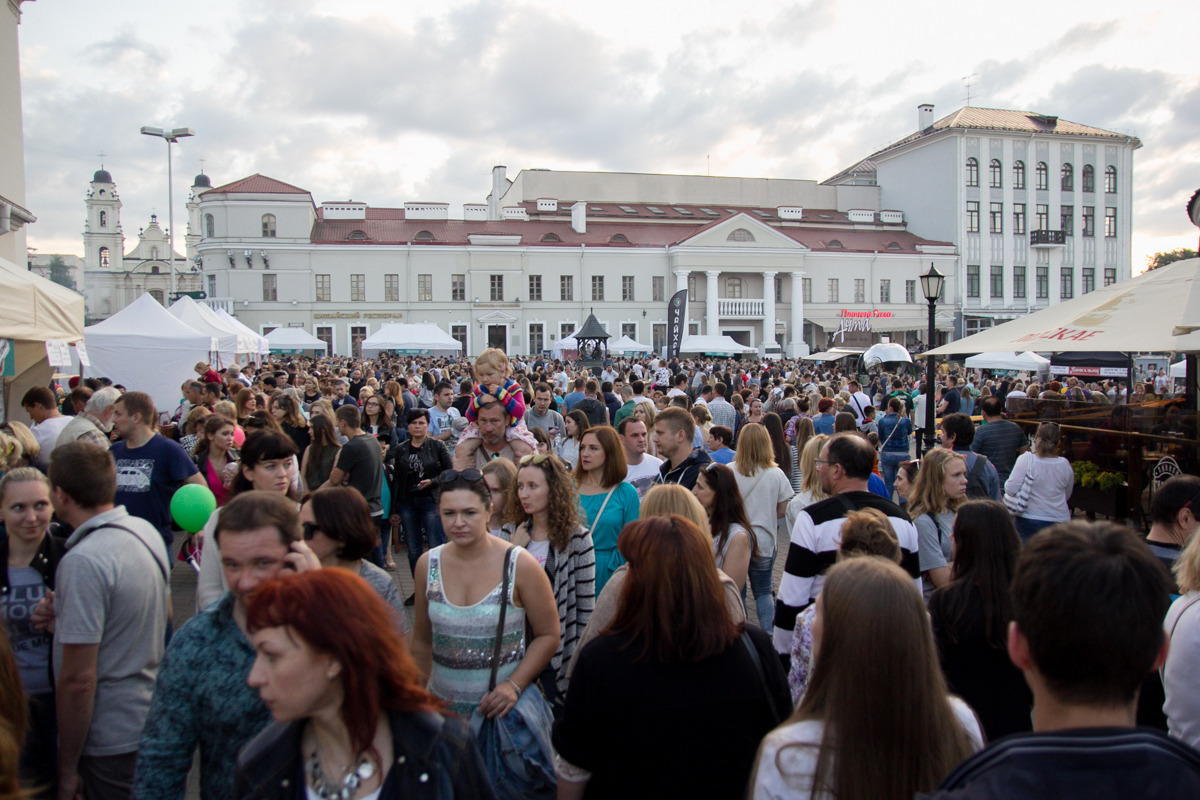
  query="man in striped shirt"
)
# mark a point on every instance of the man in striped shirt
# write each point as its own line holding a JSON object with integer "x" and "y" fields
{"x": 844, "y": 467}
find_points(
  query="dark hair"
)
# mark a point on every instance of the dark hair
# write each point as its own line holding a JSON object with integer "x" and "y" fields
{"x": 845, "y": 421}
{"x": 582, "y": 423}
{"x": 442, "y": 386}
{"x": 38, "y": 396}
{"x": 1090, "y": 600}
{"x": 479, "y": 488}
{"x": 542, "y": 437}
{"x": 638, "y": 387}
{"x": 960, "y": 427}
{"x": 910, "y": 468}
{"x": 260, "y": 446}
{"x": 348, "y": 414}
{"x": 86, "y": 473}
{"x": 853, "y": 454}
{"x": 562, "y": 501}
{"x": 1172, "y": 497}
{"x": 138, "y": 403}
{"x": 415, "y": 414}
{"x": 868, "y": 532}
{"x": 261, "y": 420}
{"x": 343, "y": 515}
{"x": 783, "y": 454}
{"x": 256, "y": 509}
{"x": 615, "y": 467}
{"x": 728, "y": 506}
{"x": 985, "y": 557}
{"x": 626, "y": 422}
{"x": 991, "y": 406}
{"x": 212, "y": 424}
{"x": 719, "y": 432}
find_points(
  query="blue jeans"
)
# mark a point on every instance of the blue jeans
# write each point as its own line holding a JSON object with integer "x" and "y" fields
{"x": 1027, "y": 527}
{"x": 760, "y": 584}
{"x": 419, "y": 519}
{"x": 889, "y": 465}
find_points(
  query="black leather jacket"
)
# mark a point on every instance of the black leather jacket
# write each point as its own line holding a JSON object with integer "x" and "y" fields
{"x": 434, "y": 756}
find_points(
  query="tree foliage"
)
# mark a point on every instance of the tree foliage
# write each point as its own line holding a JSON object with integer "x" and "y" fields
{"x": 1169, "y": 257}
{"x": 60, "y": 273}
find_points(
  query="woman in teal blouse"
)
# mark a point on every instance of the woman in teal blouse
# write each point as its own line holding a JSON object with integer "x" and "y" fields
{"x": 608, "y": 502}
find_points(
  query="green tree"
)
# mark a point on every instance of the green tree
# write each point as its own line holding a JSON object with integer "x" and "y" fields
{"x": 60, "y": 273}
{"x": 1169, "y": 257}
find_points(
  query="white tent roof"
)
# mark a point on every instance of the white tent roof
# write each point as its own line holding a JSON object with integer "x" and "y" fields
{"x": 1179, "y": 370}
{"x": 146, "y": 348}
{"x": 713, "y": 344}
{"x": 1027, "y": 361}
{"x": 564, "y": 344}
{"x": 410, "y": 336}
{"x": 230, "y": 341}
{"x": 263, "y": 345}
{"x": 626, "y": 344}
{"x": 293, "y": 339}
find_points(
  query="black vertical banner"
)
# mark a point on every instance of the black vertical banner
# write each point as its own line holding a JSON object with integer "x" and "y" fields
{"x": 676, "y": 318}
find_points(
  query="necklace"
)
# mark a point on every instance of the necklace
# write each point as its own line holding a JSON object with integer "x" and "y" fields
{"x": 321, "y": 785}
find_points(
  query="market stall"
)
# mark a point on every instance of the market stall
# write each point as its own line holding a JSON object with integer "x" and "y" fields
{"x": 415, "y": 339}
{"x": 713, "y": 346}
{"x": 293, "y": 340}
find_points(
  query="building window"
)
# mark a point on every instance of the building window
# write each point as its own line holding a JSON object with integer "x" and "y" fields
{"x": 740, "y": 235}
{"x": 860, "y": 290}
{"x": 1019, "y": 175}
{"x": 1110, "y": 180}
{"x": 157, "y": 294}
{"x": 1043, "y": 217}
{"x": 693, "y": 328}
{"x": 972, "y": 216}
{"x": 1018, "y": 283}
{"x": 994, "y": 174}
{"x": 269, "y": 290}
{"x": 458, "y": 287}
{"x": 1089, "y": 178}
{"x": 391, "y": 288}
{"x": 422, "y": 236}
{"x": 209, "y": 226}
{"x": 535, "y": 289}
{"x": 566, "y": 288}
{"x": 629, "y": 329}
{"x": 972, "y": 172}
{"x": 1110, "y": 223}
{"x": 1019, "y": 219}
{"x": 806, "y": 289}
{"x": 322, "y": 289}
{"x": 1066, "y": 220}
{"x": 154, "y": 254}
{"x": 627, "y": 288}
{"x": 733, "y": 288}
{"x": 212, "y": 285}
{"x": 972, "y": 280}
{"x": 1043, "y": 176}
{"x": 691, "y": 287}
{"x": 424, "y": 288}
{"x": 537, "y": 338}
{"x": 997, "y": 287}
{"x": 659, "y": 337}
{"x": 1068, "y": 178}
{"x": 597, "y": 288}
{"x": 833, "y": 290}
{"x": 1089, "y": 220}
{"x": 268, "y": 226}
{"x": 103, "y": 256}
{"x": 885, "y": 291}
{"x": 459, "y": 334}
{"x": 565, "y": 329}
{"x": 778, "y": 288}
{"x": 910, "y": 291}
{"x": 103, "y": 219}
{"x": 1043, "y": 283}
{"x": 496, "y": 286}
{"x": 1110, "y": 276}
{"x": 1089, "y": 280}
{"x": 1066, "y": 289}
{"x": 358, "y": 288}
{"x": 658, "y": 285}
{"x": 996, "y": 217}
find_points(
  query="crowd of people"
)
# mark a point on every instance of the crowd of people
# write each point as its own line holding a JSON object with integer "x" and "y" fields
{"x": 596, "y": 610}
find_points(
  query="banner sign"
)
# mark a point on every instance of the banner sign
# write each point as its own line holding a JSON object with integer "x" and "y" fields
{"x": 8, "y": 358}
{"x": 1090, "y": 372}
{"x": 675, "y": 321}
{"x": 857, "y": 321}
{"x": 57, "y": 353}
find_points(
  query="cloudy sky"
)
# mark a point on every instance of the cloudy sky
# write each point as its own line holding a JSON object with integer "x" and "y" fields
{"x": 386, "y": 102}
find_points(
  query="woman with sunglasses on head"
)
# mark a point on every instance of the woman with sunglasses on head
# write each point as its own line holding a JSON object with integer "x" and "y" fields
{"x": 459, "y": 600}
{"x": 609, "y": 503}
{"x": 418, "y": 461}
{"x": 545, "y": 510}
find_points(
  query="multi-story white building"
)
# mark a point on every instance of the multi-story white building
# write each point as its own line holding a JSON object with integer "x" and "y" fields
{"x": 776, "y": 261}
{"x": 1040, "y": 208}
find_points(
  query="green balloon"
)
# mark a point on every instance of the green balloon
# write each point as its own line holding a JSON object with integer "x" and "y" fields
{"x": 192, "y": 505}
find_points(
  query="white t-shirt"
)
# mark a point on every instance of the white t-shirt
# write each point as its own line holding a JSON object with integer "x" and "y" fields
{"x": 539, "y": 550}
{"x": 1053, "y": 480}
{"x": 45, "y": 433}
{"x": 761, "y": 494}
{"x": 642, "y": 476}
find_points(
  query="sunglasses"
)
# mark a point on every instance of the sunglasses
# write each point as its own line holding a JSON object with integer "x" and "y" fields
{"x": 533, "y": 458}
{"x": 469, "y": 475}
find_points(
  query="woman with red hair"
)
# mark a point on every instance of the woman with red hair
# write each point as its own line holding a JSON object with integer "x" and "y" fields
{"x": 351, "y": 717}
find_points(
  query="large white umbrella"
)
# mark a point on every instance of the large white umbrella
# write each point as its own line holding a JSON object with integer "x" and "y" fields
{"x": 626, "y": 344}
{"x": 1158, "y": 311}
{"x": 1022, "y": 362}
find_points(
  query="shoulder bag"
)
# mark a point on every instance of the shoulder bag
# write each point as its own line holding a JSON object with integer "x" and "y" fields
{"x": 778, "y": 714}
{"x": 1016, "y": 504}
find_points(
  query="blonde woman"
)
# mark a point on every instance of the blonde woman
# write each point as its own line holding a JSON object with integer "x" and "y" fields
{"x": 940, "y": 488}
{"x": 28, "y": 445}
{"x": 810, "y": 481}
{"x": 765, "y": 491}
{"x": 645, "y": 412}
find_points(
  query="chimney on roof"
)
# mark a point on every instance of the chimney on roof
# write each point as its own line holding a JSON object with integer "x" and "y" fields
{"x": 924, "y": 116}
{"x": 579, "y": 217}
{"x": 499, "y": 187}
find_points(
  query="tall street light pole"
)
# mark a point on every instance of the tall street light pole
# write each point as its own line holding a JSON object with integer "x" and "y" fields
{"x": 931, "y": 286}
{"x": 172, "y": 137}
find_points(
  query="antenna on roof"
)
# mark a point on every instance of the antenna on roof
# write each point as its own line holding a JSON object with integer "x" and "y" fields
{"x": 967, "y": 81}
{"x": 101, "y": 159}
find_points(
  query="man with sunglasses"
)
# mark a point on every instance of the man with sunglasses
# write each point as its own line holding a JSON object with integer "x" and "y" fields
{"x": 493, "y": 420}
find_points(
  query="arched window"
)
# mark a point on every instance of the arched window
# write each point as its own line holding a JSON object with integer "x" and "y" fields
{"x": 972, "y": 172}
{"x": 157, "y": 294}
{"x": 834, "y": 244}
{"x": 619, "y": 238}
{"x": 1089, "y": 178}
{"x": 740, "y": 235}
{"x": 1068, "y": 178}
{"x": 268, "y": 225}
{"x": 1043, "y": 176}
{"x": 994, "y": 173}
{"x": 154, "y": 270}
{"x": 104, "y": 257}
{"x": 154, "y": 254}
{"x": 422, "y": 236}
{"x": 1019, "y": 175}
{"x": 103, "y": 219}
{"x": 551, "y": 237}
{"x": 733, "y": 288}
{"x": 359, "y": 236}
{"x": 209, "y": 226}
{"x": 893, "y": 246}
{"x": 1110, "y": 180}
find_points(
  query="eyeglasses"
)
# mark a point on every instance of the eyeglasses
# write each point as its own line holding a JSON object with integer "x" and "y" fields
{"x": 309, "y": 530}
{"x": 469, "y": 475}
{"x": 533, "y": 458}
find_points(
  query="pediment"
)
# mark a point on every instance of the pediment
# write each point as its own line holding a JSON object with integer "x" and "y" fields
{"x": 496, "y": 316}
{"x": 744, "y": 231}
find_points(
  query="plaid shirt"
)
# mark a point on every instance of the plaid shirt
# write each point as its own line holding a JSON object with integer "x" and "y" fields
{"x": 723, "y": 412}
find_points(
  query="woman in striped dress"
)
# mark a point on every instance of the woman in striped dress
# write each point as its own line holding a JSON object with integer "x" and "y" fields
{"x": 458, "y": 601}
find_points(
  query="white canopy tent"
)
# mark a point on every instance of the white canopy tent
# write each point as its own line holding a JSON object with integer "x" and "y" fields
{"x": 627, "y": 345}
{"x": 264, "y": 346}
{"x": 146, "y": 348}
{"x": 410, "y": 339}
{"x": 231, "y": 342}
{"x": 293, "y": 339}
{"x": 1179, "y": 370}
{"x": 716, "y": 345}
{"x": 1027, "y": 361}
{"x": 563, "y": 346}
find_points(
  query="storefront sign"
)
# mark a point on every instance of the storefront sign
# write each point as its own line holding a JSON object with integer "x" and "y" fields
{"x": 1090, "y": 372}
{"x": 8, "y": 358}
{"x": 358, "y": 315}
{"x": 857, "y": 321}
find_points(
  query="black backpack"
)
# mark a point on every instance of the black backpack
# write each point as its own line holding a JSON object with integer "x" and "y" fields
{"x": 976, "y": 485}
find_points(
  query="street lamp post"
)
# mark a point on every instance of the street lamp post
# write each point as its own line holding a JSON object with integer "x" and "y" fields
{"x": 931, "y": 286}
{"x": 172, "y": 137}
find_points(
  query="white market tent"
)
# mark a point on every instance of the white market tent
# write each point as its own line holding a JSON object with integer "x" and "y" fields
{"x": 1179, "y": 370}
{"x": 293, "y": 339}
{"x": 1027, "y": 361}
{"x": 264, "y": 346}
{"x": 410, "y": 339}
{"x": 627, "y": 345}
{"x": 230, "y": 342}
{"x": 717, "y": 345}
{"x": 146, "y": 348}
{"x": 563, "y": 346}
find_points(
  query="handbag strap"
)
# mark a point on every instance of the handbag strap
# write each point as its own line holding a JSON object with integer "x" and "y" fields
{"x": 772, "y": 702}
{"x": 1162, "y": 671}
{"x": 603, "y": 506}
{"x": 508, "y": 555}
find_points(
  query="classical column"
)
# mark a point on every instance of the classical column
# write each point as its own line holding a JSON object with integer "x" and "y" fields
{"x": 768, "y": 336}
{"x": 797, "y": 338}
{"x": 681, "y": 278}
{"x": 713, "y": 326}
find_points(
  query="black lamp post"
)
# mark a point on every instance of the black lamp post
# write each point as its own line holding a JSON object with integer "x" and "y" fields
{"x": 931, "y": 286}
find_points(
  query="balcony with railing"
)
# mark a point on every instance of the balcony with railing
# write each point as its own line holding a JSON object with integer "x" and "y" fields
{"x": 1047, "y": 239}
{"x": 740, "y": 308}
{"x": 220, "y": 304}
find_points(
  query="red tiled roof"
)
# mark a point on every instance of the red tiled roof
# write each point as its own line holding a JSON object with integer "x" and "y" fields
{"x": 257, "y": 184}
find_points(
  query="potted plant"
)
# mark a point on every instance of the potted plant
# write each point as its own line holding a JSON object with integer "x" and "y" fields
{"x": 1099, "y": 492}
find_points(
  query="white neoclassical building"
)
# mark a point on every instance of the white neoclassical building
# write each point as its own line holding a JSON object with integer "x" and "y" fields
{"x": 764, "y": 261}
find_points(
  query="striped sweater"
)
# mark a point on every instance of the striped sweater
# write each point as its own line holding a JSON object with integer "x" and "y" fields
{"x": 813, "y": 550}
